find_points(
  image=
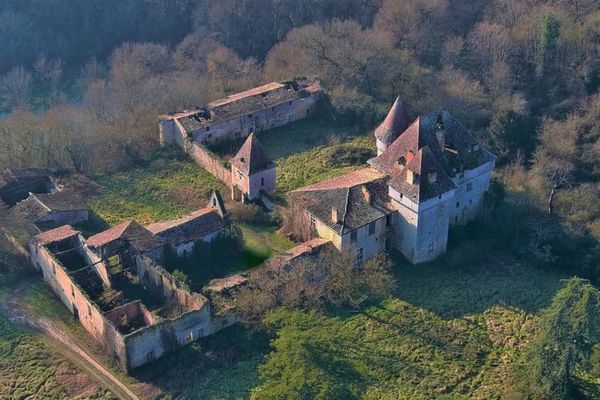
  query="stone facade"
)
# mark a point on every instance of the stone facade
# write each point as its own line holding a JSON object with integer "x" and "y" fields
{"x": 134, "y": 331}
{"x": 434, "y": 175}
{"x": 237, "y": 116}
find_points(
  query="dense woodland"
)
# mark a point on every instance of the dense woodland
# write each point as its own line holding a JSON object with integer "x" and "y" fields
{"x": 82, "y": 84}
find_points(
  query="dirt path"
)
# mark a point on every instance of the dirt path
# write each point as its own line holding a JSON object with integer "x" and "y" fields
{"x": 62, "y": 342}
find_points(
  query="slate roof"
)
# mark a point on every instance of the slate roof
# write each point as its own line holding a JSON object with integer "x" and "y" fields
{"x": 394, "y": 123}
{"x": 430, "y": 180}
{"x": 56, "y": 235}
{"x": 461, "y": 151}
{"x": 244, "y": 103}
{"x": 64, "y": 200}
{"x": 251, "y": 158}
{"x": 347, "y": 195}
{"x": 18, "y": 174}
{"x": 132, "y": 232}
{"x": 191, "y": 227}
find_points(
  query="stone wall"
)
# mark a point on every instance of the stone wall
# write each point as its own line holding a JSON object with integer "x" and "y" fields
{"x": 79, "y": 304}
{"x": 209, "y": 161}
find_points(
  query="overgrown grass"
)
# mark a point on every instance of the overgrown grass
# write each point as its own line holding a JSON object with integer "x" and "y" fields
{"x": 324, "y": 162}
{"x": 302, "y": 136}
{"x": 30, "y": 368}
{"x": 166, "y": 188}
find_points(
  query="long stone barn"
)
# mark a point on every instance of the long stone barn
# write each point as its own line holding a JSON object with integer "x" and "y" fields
{"x": 234, "y": 118}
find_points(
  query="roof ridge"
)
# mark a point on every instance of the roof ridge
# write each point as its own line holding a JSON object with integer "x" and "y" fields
{"x": 346, "y": 208}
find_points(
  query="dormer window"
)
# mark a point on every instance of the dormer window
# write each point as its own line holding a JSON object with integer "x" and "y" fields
{"x": 402, "y": 161}
{"x": 439, "y": 122}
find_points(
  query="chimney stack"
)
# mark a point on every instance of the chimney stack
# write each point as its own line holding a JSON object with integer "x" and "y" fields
{"x": 334, "y": 215}
{"x": 366, "y": 193}
{"x": 409, "y": 156}
{"x": 410, "y": 177}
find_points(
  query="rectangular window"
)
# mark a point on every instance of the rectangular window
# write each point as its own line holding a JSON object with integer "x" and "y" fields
{"x": 430, "y": 248}
{"x": 469, "y": 186}
{"x": 360, "y": 256}
{"x": 457, "y": 204}
{"x": 353, "y": 237}
{"x": 190, "y": 337}
{"x": 372, "y": 227}
{"x": 262, "y": 181}
{"x": 313, "y": 222}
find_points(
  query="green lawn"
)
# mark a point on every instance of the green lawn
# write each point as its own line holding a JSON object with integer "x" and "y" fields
{"x": 303, "y": 136}
{"x": 166, "y": 188}
{"x": 324, "y": 162}
{"x": 29, "y": 366}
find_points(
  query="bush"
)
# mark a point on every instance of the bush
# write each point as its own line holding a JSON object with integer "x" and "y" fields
{"x": 249, "y": 214}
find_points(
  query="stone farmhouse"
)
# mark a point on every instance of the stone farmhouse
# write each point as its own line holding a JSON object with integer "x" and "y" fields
{"x": 204, "y": 225}
{"x": 237, "y": 117}
{"x": 427, "y": 176}
{"x": 114, "y": 285}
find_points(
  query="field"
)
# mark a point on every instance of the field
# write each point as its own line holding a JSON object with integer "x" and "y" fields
{"x": 31, "y": 368}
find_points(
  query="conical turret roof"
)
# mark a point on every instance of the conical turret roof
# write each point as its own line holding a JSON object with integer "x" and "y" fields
{"x": 251, "y": 158}
{"x": 394, "y": 124}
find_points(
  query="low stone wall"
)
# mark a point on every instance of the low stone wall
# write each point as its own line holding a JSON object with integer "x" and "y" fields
{"x": 210, "y": 162}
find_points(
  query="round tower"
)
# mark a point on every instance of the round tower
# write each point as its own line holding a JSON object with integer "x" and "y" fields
{"x": 392, "y": 126}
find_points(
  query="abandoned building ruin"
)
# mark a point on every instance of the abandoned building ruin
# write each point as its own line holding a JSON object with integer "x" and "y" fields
{"x": 39, "y": 201}
{"x": 427, "y": 176}
{"x": 236, "y": 117}
{"x": 114, "y": 285}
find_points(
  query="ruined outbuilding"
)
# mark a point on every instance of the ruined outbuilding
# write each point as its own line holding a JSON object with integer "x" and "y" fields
{"x": 236, "y": 117}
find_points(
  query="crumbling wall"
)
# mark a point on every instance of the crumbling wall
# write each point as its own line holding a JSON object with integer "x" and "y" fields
{"x": 79, "y": 304}
{"x": 132, "y": 310}
{"x": 153, "y": 341}
{"x": 162, "y": 285}
{"x": 210, "y": 162}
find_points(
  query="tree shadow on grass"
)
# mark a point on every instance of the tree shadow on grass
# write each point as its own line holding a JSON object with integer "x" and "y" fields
{"x": 219, "y": 366}
{"x": 452, "y": 291}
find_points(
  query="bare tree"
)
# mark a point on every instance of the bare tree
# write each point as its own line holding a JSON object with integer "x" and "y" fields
{"x": 15, "y": 89}
{"x": 555, "y": 174}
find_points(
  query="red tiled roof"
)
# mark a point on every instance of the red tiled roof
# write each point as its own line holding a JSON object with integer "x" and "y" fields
{"x": 138, "y": 237}
{"x": 107, "y": 236}
{"x": 345, "y": 181}
{"x": 56, "y": 235}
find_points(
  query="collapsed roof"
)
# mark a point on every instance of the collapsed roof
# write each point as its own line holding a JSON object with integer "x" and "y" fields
{"x": 432, "y": 150}
{"x": 245, "y": 103}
